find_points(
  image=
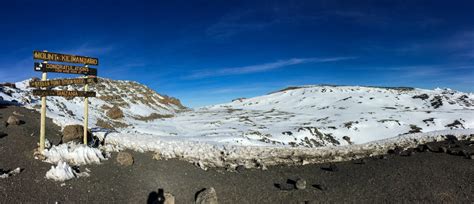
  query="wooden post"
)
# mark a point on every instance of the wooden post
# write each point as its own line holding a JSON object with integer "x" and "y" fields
{"x": 43, "y": 118}
{"x": 86, "y": 113}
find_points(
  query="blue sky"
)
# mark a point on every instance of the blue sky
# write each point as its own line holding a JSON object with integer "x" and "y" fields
{"x": 208, "y": 52}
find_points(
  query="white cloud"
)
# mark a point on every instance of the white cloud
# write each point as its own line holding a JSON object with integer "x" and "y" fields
{"x": 262, "y": 67}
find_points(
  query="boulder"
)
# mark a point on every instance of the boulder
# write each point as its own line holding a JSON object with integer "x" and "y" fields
{"x": 207, "y": 196}
{"x": 13, "y": 120}
{"x": 73, "y": 133}
{"x": 115, "y": 113}
{"x": 124, "y": 158}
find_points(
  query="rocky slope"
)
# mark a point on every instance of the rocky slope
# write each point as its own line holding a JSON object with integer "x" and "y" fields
{"x": 117, "y": 103}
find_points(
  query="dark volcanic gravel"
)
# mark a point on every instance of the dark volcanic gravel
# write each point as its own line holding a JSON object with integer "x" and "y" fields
{"x": 420, "y": 177}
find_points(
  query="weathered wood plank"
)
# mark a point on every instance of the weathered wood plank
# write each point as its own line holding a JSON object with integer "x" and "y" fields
{"x": 39, "y": 92}
{"x": 51, "y": 56}
{"x": 62, "y": 68}
{"x": 62, "y": 82}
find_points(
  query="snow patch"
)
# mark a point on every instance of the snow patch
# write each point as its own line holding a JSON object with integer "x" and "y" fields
{"x": 61, "y": 172}
{"x": 72, "y": 153}
{"x": 205, "y": 155}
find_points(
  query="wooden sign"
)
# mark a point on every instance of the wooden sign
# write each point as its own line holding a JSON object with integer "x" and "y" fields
{"x": 39, "y": 92}
{"x": 68, "y": 69}
{"x": 50, "y": 56}
{"x": 63, "y": 68}
{"x": 62, "y": 82}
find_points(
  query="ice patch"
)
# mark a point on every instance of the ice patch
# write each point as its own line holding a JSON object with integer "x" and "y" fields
{"x": 75, "y": 154}
{"x": 61, "y": 172}
{"x": 205, "y": 155}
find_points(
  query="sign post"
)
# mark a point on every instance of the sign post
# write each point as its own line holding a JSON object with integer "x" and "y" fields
{"x": 43, "y": 117}
{"x": 42, "y": 85}
{"x": 86, "y": 113}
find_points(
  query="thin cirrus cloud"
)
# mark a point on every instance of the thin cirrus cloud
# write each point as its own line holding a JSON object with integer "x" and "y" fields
{"x": 261, "y": 67}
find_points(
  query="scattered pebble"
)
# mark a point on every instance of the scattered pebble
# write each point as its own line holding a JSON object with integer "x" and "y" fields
{"x": 18, "y": 114}
{"x": 359, "y": 161}
{"x": 300, "y": 184}
{"x": 453, "y": 152}
{"x": 331, "y": 167}
{"x": 405, "y": 154}
{"x": 240, "y": 168}
{"x": 432, "y": 148}
{"x": 421, "y": 148}
{"x": 383, "y": 156}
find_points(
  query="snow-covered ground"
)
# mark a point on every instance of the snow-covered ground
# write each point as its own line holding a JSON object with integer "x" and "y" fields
{"x": 309, "y": 122}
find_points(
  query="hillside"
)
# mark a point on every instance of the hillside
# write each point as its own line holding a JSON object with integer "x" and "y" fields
{"x": 136, "y": 101}
{"x": 331, "y": 115}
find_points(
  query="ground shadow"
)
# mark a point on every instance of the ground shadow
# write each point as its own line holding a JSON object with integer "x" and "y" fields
{"x": 156, "y": 197}
{"x": 2, "y": 135}
{"x": 289, "y": 185}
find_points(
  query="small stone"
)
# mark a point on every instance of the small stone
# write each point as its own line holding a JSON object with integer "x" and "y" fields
{"x": 300, "y": 184}
{"x": 169, "y": 198}
{"x": 240, "y": 168}
{"x": 124, "y": 158}
{"x": 73, "y": 133}
{"x": 331, "y": 167}
{"x": 207, "y": 196}
{"x": 453, "y": 152}
{"x": 359, "y": 161}
{"x": 444, "y": 149}
{"x": 421, "y": 148}
{"x": 18, "y": 114}
{"x": 406, "y": 153}
{"x": 432, "y": 148}
{"x": 396, "y": 150}
{"x": 384, "y": 157}
{"x": 13, "y": 120}
{"x": 464, "y": 153}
